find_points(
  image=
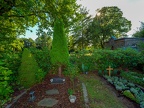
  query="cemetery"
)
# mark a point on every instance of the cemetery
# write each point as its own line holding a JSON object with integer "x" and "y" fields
{"x": 75, "y": 61}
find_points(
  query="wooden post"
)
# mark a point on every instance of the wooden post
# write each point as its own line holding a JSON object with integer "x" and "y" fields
{"x": 109, "y": 70}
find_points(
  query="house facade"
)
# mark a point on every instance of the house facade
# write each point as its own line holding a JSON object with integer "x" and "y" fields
{"x": 115, "y": 43}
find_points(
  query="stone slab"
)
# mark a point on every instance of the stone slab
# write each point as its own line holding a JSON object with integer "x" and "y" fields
{"x": 52, "y": 92}
{"x": 47, "y": 102}
{"x": 85, "y": 95}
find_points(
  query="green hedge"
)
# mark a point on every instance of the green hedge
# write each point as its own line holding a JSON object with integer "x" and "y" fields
{"x": 42, "y": 58}
{"x": 101, "y": 59}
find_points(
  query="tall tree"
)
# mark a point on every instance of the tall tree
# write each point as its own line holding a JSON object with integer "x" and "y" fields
{"x": 44, "y": 40}
{"x": 79, "y": 29}
{"x": 59, "y": 53}
{"x": 16, "y": 16}
{"x": 140, "y": 32}
{"x": 108, "y": 22}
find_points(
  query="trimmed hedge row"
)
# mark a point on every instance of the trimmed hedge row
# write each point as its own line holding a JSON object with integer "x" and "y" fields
{"x": 101, "y": 59}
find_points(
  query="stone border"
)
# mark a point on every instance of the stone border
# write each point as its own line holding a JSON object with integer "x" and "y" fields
{"x": 15, "y": 99}
{"x": 86, "y": 100}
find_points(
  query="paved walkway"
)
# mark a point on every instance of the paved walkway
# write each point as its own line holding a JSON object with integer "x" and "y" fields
{"x": 49, "y": 102}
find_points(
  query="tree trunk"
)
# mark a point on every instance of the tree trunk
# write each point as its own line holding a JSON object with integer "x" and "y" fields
{"x": 59, "y": 71}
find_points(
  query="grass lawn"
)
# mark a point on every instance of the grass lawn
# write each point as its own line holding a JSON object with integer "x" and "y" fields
{"x": 99, "y": 95}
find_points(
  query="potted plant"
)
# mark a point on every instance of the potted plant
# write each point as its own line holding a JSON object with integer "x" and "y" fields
{"x": 72, "y": 97}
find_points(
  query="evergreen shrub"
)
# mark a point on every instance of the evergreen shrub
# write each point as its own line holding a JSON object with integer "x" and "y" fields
{"x": 59, "y": 53}
{"x": 29, "y": 70}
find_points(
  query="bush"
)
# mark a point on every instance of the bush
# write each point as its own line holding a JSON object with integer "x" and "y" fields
{"x": 12, "y": 62}
{"x": 29, "y": 70}
{"x": 42, "y": 58}
{"x": 71, "y": 70}
{"x": 5, "y": 88}
{"x": 102, "y": 59}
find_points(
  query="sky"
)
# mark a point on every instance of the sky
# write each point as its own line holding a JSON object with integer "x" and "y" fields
{"x": 132, "y": 10}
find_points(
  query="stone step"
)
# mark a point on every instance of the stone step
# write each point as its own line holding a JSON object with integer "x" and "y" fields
{"x": 47, "y": 102}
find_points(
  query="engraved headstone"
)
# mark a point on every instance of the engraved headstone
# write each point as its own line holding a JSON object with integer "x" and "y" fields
{"x": 57, "y": 80}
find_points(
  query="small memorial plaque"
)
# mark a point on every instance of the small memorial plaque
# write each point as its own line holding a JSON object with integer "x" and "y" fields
{"x": 57, "y": 80}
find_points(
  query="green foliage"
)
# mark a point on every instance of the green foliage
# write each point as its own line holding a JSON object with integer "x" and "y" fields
{"x": 102, "y": 59}
{"x": 134, "y": 77}
{"x": 84, "y": 57}
{"x": 79, "y": 36}
{"x": 72, "y": 70}
{"x": 59, "y": 53}
{"x": 100, "y": 73}
{"x": 109, "y": 22}
{"x": 12, "y": 62}
{"x": 70, "y": 91}
{"x": 11, "y": 57}
{"x": 5, "y": 88}
{"x": 142, "y": 104}
{"x": 29, "y": 70}
{"x": 128, "y": 89}
{"x": 140, "y": 33}
{"x": 128, "y": 58}
{"x": 44, "y": 41}
{"x": 85, "y": 68}
{"x": 128, "y": 94}
{"x": 39, "y": 75}
{"x": 42, "y": 58}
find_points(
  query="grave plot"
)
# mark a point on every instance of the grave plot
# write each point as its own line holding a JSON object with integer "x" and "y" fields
{"x": 129, "y": 84}
{"x": 102, "y": 95}
{"x": 128, "y": 89}
{"x": 53, "y": 95}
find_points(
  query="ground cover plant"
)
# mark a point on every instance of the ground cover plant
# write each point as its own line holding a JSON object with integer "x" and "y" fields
{"x": 134, "y": 77}
{"x": 128, "y": 89}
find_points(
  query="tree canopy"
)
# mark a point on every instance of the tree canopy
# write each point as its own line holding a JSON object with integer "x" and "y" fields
{"x": 108, "y": 22}
{"x": 16, "y": 16}
{"x": 140, "y": 32}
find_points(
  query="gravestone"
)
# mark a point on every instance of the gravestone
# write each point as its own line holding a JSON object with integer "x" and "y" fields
{"x": 57, "y": 80}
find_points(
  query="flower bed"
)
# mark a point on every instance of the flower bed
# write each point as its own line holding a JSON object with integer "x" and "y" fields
{"x": 127, "y": 88}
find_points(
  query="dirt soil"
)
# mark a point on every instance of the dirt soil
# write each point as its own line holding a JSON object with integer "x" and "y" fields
{"x": 40, "y": 93}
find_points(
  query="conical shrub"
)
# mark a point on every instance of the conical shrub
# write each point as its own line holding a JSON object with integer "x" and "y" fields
{"x": 28, "y": 69}
{"x": 59, "y": 53}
